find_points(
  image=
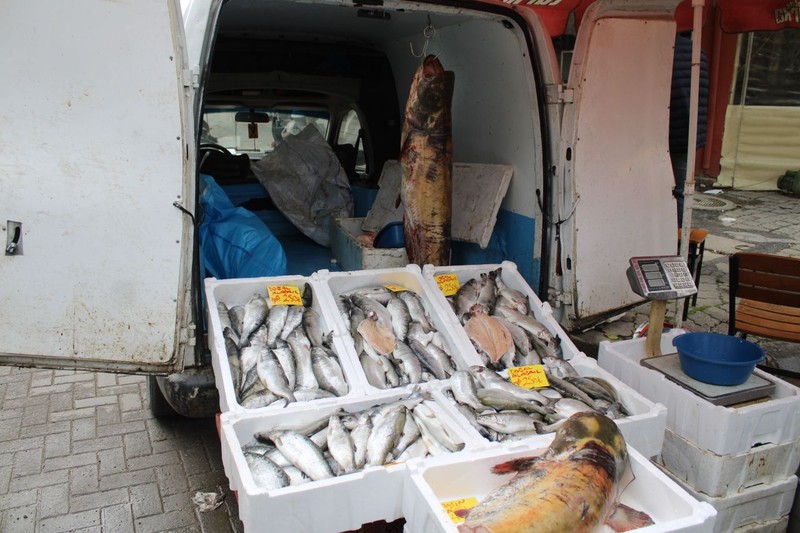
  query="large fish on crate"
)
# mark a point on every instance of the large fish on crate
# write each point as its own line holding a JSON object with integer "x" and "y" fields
{"x": 573, "y": 486}
{"x": 426, "y": 158}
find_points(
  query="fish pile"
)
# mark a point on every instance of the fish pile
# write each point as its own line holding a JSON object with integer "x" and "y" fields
{"x": 500, "y": 410}
{"x": 500, "y": 323}
{"x": 279, "y": 354}
{"x": 395, "y": 340}
{"x": 344, "y": 442}
{"x": 574, "y": 486}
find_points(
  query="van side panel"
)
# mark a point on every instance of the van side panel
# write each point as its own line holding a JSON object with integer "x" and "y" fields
{"x": 91, "y": 161}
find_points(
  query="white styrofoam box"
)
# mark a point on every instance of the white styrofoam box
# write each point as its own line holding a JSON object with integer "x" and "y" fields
{"x": 237, "y": 292}
{"x": 643, "y": 429}
{"x": 351, "y": 255}
{"x": 408, "y": 277}
{"x": 510, "y": 276}
{"x": 770, "y": 526}
{"x": 466, "y": 475}
{"x": 756, "y": 505}
{"x": 336, "y": 504}
{"x": 720, "y": 475}
{"x": 718, "y": 429}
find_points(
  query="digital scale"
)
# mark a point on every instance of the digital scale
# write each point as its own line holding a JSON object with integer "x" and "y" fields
{"x": 659, "y": 278}
{"x": 754, "y": 388}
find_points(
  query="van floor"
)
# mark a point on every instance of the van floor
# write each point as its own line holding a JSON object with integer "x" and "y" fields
{"x": 304, "y": 256}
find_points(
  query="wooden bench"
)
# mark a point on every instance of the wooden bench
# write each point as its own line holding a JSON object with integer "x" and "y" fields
{"x": 768, "y": 291}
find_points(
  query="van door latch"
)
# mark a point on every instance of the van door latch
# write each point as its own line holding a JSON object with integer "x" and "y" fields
{"x": 13, "y": 238}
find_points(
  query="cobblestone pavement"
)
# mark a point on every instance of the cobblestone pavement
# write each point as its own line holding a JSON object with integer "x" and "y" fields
{"x": 80, "y": 451}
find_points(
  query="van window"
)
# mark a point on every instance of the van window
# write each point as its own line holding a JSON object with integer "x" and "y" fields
{"x": 258, "y": 138}
{"x": 350, "y": 133}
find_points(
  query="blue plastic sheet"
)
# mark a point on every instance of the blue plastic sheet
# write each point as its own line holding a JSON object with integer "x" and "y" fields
{"x": 235, "y": 243}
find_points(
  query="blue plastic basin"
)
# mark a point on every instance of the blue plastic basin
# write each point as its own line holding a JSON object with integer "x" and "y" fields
{"x": 716, "y": 358}
{"x": 390, "y": 236}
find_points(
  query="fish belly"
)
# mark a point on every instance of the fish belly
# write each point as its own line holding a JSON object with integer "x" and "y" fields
{"x": 553, "y": 496}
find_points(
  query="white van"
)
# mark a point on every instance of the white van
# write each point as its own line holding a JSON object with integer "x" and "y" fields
{"x": 107, "y": 108}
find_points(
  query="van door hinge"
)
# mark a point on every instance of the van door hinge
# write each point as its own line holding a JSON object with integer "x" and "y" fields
{"x": 189, "y": 78}
{"x": 557, "y": 94}
{"x": 187, "y": 335}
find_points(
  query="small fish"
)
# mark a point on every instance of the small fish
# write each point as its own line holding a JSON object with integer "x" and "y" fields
{"x": 378, "y": 336}
{"x": 416, "y": 310}
{"x": 286, "y": 359}
{"x": 312, "y": 324}
{"x": 433, "y": 359}
{"x": 255, "y": 312}
{"x": 294, "y": 317}
{"x": 464, "y": 389}
{"x": 509, "y": 422}
{"x": 302, "y": 453}
{"x": 266, "y": 474}
{"x": 408, "y": 362}
{"x": 272, "y": 376}
{"x": 373, "y": 309}
{"x": 327, "y": 371}
{"x": 236, "y": 316}
{"x": 401, "y": 317}
{"x": 426, "y": 419}
{"x": 385, "y": 432}
{"x": 341, "y": 445}
{"x": 465, "y": 299}
{"x": 502, "y": 399}
{"x": 360, "y": 436}
{"x": 304, "y": 370}
{"x": 276, "y": 319}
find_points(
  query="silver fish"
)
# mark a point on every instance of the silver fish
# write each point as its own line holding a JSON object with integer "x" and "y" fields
{"x": 327, "y": 371}
{"x": 408, "y": 362}
{"x": 341, "y": 445}
{"x": 264, "y": 399}
{"x": 272, "y": 376}
{"x": 512, "y": 298}
{"x": 266, "y": 474}
{"x": 379, "y": 293}
{"x": 490, "y": 379}
{"x": 558, "y": 367}
{"x": 224, "y": 316}
{"x": 255, "y": 312}
{"x": 232, "y": 351}
{"x": 508, "y": 422}
{"x": 360, "y": 436}
{"x": 286, "y": 359}
{"x": 304, "y": 370}
{"x": 417, "y": 332}
{"x": 416, "y": 309}
{"x": 294, "y": 317}
{"x": 276, "y": 319}
{"x": 487, "y": 294}
{"x": 408, "y": 436}
{"x": 373, "y": 371}
{"x": 295, "y": 475}
{"x": 401, "y": 317}
{"x": 465, "y": 298}
{"x": 566, "y": 407}
{"x": 385, "y": 432}
{"x": 425, "y": 416}
{"x": 236, "y": 316}
{"x": 464, "y": 389}
{"x": 417, "y": 450}
{"x": 302, "y": 453}
{"x": 502, "y": 400}
{"x": 570, "y": 390}
{"x": 260, "y": 336}
{"x": 526, "y": 322}
{"x": 433, "y": 359}
{"x": 373, "y": 309}
{"x": 312, "y": 323}
{"x": 248, "y": 358}
{"x": 304, "y": 395}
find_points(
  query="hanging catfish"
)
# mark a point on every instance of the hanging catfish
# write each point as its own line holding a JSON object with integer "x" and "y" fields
{"x": 426, "y": 157}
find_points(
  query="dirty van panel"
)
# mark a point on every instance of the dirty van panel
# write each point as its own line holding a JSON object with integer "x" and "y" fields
{"x": 495, "y": 105}
{"x": 617, "y": 173}
{"x": 92, "y": 152}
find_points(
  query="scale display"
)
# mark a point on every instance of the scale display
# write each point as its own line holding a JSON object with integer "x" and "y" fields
{"x": 660, "y": 277}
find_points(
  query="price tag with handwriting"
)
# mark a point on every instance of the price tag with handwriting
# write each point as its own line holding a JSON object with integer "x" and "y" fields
{"x": 448, "y": 283}
{"x": 529, "y": 377}
{"x": 284, "y": 295}
{"x": 395, "y": 288}
{"x": 462, "y": 504}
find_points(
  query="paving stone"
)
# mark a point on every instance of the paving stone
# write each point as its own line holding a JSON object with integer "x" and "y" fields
{"x": 70, "y": 461}
{"x": 19, "y": 519}
{"x": 84, "y": 479}
{"x": 130, "y": 402}
{"x": 98, "y": 500}
{"x": 22, "y": 498}
{"x": 108, "y": 415}
{"x": 110, "y": 461}
{"x": 71, "y": 521}
{"x": 117, "y": 518}
{"x": 157, "y": 523}
{"x": 146, "y": 499}
{"x": 84, "y": 429}
{"x": 27, "y": 462}
{"x": 54, "y": 500}
{"x": 45, "y": 479}
{"x": 172, "y": 479}
{"x": 137, "y": 444}
{"x": 127, "y": 479}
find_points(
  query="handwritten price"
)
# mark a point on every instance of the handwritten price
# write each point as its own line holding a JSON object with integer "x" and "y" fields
{"x": 284, "y": 295}
{"x": 462, "y": 504}
{"x": 529, "y": 377}
{"x": 448, "y": 284}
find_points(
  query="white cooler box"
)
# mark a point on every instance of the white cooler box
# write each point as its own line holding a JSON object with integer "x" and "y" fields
{"x": 717, "y": 429}
{"x": 237, "y": 292}
{"x": 468, "y": 475}
{"x": 337, "y": 504}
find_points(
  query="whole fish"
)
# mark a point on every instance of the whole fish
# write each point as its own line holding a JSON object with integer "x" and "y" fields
{"x": 340, "y": 444}
{"x": 416, "y": 310}
{"x": 255, "y": 312}
{"x": 360, "y": 436}
{"x": 286, "y": 358}
{"x": 401, "y": 317}
{"x": 426, "y": 419}
{"x": 272, "y": 376}
{"x": 304, "y": 370}
{"x": 490, "y": 337}
{"x": 328, "y": 372}
{"x": 572, "y": 487}
{"x": 464, "y": 390}
{"x": 294, "y": 317}
{"x": 302, "y": 453}
{"x": 465, "y": 298}
{"x": 385, "y": 432}
{"x": 312, "y": 323}
{"x": 266, "y": 473}
{"x": 407, "y": 362}
{"x": 379, "y": 337}
{"x": 426, "y": 159}
{"x": 508, "y": 423}
{"x": 276, "y": 319}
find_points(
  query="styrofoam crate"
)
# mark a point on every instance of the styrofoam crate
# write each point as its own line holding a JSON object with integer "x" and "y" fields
{"x": 336, "y": 504}
{"x": 510, "y": 276}
{"x": 643, "y": 429}
{"x": 721, "y": 475}
{"x": 466, "y": 475}
{"x": 408, "y": 277}
{"x": 751, "y": 507}
{"x": 718, "y": 429}
{"x": 352, "y": 255}
{"x": 237, "y": 292}
{"x": 770, "y": 526}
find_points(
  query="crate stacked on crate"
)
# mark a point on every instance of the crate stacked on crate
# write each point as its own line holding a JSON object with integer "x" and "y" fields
{"x": 413, "y": 488}
{"x": 741, "y": 459}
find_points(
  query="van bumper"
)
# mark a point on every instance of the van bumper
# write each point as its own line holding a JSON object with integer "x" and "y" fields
{"x": 191, "y": 393}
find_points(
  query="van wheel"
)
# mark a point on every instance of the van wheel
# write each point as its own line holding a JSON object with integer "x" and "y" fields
{"x": 159, "y": 406}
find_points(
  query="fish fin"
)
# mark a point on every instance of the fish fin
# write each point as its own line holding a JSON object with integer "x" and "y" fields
{"x": 624, "y": 518}
{"x": 514, "y": 465}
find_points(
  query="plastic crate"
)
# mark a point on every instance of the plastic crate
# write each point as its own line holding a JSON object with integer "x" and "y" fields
{"x": 718, "y": 429}
{"x": 237, "y": 292}
{"x": 466, "y": 475}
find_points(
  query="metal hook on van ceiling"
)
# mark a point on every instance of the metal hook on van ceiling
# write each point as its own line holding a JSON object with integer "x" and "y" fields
{"x": 429, "y": 33}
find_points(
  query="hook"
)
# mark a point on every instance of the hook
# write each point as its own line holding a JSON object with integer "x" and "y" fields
{"x": 429, "y": 32}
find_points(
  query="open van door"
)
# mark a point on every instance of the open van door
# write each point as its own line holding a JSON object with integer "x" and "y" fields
{"x": 96, "y": 174}
{"x": 617, "y": 181}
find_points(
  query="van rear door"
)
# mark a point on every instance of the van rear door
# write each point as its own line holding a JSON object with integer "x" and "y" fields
{"x": 616, "y": 200}
{"x": 95, "y": 145}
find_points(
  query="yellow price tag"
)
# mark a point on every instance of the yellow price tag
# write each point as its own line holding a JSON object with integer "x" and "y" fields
{"x": 396, "y": 288}
{"x": 529, "y": 377}
{"x": 284, "y": 295}
{"x": 448, "y": 284}
{"x": 461, "y": 504}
